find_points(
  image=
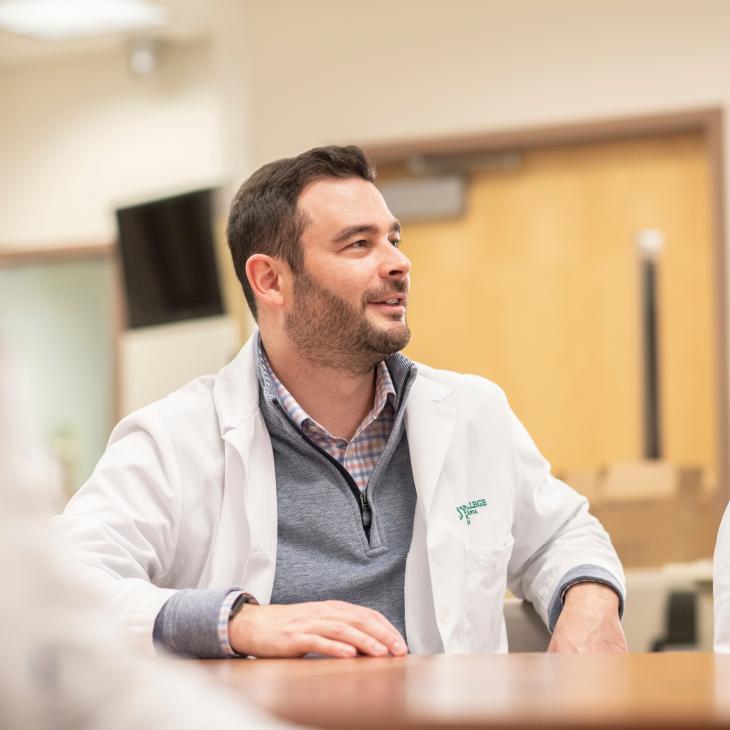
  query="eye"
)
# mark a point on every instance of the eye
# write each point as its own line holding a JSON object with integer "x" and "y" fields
{"x": 359, "y": 244}
{"x": 396, "y": 242}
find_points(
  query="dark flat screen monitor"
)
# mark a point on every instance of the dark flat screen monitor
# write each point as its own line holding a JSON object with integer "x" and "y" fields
{"x": 168, "y": 259}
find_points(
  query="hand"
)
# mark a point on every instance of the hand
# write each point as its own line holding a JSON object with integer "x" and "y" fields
{"x": 332, "y": 628}
{"x": 589, "y": 622}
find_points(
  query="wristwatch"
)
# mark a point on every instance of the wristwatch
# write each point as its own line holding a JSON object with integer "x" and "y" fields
{"x": 239, "y": 603}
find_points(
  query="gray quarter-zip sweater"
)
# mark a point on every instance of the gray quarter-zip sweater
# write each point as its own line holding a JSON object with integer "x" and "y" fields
{"x": 325, "y": 550}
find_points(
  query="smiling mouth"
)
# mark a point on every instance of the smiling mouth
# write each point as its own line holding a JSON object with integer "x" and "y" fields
{"x": 391, "y": 299}
{"x": 399, "y": 302}
{"x": 394, "y": 308}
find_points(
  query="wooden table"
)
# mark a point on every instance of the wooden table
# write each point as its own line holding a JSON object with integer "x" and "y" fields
{"x": 683, "y": 690}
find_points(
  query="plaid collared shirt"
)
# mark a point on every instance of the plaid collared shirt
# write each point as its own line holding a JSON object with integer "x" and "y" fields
{"x": 360, "y": 455}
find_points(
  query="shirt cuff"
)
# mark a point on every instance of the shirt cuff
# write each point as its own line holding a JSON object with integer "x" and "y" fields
{"x": 223, "y": 618}
{"x": 583, "y": 574}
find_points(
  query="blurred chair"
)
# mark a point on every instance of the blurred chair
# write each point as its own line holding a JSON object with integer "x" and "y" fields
{"x": 656, "y": 512}
{"x": 648, "y": 479}
{"x": 646, "y": 621}
{"x": 526, "y": 631}
{"x": 680, "y": 632}
{"x": 651, "y": 479}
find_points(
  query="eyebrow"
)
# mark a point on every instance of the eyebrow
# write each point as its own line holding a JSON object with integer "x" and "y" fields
{"x": 350, "y": 231}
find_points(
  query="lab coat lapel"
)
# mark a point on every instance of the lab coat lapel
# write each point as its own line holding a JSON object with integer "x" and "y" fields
{"x": 245, "y": 543}
{"x": 430, "y": 421}
{"x": 251, "y": 480}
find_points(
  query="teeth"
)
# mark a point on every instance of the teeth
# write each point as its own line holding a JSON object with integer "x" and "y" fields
{"x": 391, "y": 301}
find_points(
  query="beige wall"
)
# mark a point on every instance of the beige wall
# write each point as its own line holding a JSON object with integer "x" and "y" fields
{"x": 80, "y": 136}
{"x": 77, "y": 135}
{"x": 382, "y": 70}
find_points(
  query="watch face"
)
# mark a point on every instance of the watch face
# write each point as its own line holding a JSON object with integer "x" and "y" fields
{"x": 238, "y": 604}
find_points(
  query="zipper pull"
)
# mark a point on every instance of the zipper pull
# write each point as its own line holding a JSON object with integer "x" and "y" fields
{"x": 365, "y": 509}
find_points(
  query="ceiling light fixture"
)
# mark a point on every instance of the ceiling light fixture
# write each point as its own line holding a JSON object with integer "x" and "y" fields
{"x": 58, "y": 20}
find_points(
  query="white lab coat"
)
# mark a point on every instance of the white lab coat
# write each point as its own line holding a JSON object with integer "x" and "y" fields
{"x": 185, "y": 497}
{"x": 721, "y": 585}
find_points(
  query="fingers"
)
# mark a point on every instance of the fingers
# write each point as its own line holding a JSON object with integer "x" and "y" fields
{"x": 348, "y": 634}
{"x": 371, "y": 623}
{"x": 314, "y": 644}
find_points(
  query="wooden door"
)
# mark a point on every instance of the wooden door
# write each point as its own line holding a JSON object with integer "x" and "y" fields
{"x": 537, "y": 288}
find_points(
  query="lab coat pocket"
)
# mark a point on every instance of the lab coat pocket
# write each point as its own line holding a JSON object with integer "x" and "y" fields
{"x": 485, "y": 586}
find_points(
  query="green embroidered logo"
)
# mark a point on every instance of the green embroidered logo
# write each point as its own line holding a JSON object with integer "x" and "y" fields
{"x": 467, "y": 510}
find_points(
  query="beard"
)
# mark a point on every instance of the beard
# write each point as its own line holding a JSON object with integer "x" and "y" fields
{"x": 331, "y": 332}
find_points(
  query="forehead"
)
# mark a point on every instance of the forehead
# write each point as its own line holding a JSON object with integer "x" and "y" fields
{"x": 334, "y": 203}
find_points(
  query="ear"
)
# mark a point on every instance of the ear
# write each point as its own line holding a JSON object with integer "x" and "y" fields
{"x": 266, "y": 275}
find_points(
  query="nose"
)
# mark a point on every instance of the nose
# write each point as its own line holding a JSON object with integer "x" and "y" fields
{"x": 395, "y": 264}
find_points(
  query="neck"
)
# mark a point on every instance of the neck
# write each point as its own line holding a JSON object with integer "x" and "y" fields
{"x": 337, "y": 399}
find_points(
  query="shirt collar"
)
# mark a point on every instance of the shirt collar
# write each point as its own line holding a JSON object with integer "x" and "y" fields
{"x": 275, "y": 390}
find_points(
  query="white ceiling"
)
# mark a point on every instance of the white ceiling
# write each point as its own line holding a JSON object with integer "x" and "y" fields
{"x": 189, "y": 20}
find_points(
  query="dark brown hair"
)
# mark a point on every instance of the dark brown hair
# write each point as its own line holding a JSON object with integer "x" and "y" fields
{"x": 264, "y": 216}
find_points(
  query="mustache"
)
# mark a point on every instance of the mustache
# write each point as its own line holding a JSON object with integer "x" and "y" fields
{"x": 397, "y": 286}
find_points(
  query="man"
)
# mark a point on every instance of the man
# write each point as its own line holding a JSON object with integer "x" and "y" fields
{"x": 366, "y": 504}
